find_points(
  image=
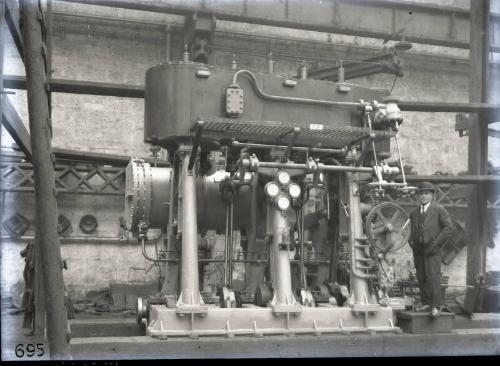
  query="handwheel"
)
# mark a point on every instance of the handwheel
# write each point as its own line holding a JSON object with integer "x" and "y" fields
{"x": 387, "y": 227}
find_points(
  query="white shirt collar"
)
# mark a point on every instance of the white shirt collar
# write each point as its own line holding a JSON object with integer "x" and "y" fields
{"x": 425, "y": 207}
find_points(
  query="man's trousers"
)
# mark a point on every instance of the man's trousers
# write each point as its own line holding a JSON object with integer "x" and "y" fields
{"x": 429, "y": 279}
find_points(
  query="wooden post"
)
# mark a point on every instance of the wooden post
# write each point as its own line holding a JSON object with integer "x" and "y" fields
{"x": 477, "y": 219}
{"x": 45, "y": 193}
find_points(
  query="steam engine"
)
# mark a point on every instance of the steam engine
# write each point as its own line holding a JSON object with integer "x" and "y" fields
{"x": 301, "y": 169}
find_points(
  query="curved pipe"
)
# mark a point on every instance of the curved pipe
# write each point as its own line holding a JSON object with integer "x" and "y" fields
{"x": 277, "y": 98}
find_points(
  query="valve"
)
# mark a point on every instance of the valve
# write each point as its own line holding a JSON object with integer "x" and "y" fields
{"x": 387, "y": 227}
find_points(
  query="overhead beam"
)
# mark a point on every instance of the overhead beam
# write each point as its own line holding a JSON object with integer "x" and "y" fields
{"x": 14, "y": 125}
{"x": 456, "y": 179}
{"x": 101, "y": 158}
{"x": 80, "y": 87}
{"x": 493, "y": 133}
{"x": 422, "y": 24}
{"x": 491, "y": 111}
{"x": 12, "y": 20}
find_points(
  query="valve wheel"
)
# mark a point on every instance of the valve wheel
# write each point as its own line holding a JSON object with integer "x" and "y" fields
{"x": 387, "y": 227}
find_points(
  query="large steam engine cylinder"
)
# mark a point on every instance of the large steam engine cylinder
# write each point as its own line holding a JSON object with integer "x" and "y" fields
{"x": 296, "y": 166}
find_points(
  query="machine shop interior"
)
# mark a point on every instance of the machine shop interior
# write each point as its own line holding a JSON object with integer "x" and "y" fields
{"x": 234, "y": 179}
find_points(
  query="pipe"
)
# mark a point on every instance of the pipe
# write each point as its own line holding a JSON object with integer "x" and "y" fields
{"x": 231, "y": 244}
{"x": 359, "y": 280}
{"x": 277, "y": 98}
{"x": 74, "y": 239}
{"x": 45, "y": 193}
{"x": 297, "y": 148}
{"x": 226, "y": 248}
{"x": 400, "y": 159}
{"x": 328, "y": 168}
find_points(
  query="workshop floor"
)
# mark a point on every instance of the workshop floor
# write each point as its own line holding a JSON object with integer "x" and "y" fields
{"x": 13, "y": 334}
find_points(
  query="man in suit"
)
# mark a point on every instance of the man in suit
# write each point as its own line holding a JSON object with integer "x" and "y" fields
{"x": 431, "y": 225}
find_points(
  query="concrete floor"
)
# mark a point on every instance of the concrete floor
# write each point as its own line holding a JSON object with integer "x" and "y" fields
{"x": 114, "y": 338}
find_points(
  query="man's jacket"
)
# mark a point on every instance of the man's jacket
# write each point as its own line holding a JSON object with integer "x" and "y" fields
{"x": 437, "y": 227}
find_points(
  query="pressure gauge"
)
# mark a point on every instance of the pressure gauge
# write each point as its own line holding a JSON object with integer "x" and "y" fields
{"x": 271, "y": 189}
{"x": 294, "y": 190}
{"x": 283, "y": 177}
{"x": 283, "y": 203}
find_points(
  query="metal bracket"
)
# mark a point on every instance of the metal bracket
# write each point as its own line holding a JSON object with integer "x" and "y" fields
{"x": 196, "y": 144}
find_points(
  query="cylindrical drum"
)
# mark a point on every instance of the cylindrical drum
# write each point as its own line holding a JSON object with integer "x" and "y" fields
{"x": 146, "y": 194}
{"x": 147, "y": 199}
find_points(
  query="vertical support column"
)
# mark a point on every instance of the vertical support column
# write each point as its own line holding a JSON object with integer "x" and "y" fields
{"x": 190, "y": 287}
{"x": 360, "y": 292}
{"x": 281, "y": 275}
{"x": 477, "y": 219}
{"x": 45, "y": 193}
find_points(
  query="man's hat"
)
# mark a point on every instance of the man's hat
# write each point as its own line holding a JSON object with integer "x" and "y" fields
{"x": 426, "y": 186}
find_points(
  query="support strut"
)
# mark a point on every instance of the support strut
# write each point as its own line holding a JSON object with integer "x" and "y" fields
{"x": 190, "y": 296}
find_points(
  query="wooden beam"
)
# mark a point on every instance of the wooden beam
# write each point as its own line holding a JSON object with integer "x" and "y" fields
{"x": 14, "y": 125}
{"x": 12, "y": 20}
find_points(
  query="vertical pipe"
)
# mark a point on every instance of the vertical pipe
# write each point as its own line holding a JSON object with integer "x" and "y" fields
{"x": 359, "y": 286}
{"x": 400, "y": 158}
{"x": 270, "y": 63}
{"x": 226, "y": 248}
{"x": 282, "y": 281}
{"x": 168, "y": 43}
{"x": 300, "y": 223}
{"x": 303, "y": 71}
{"x": 189, "y": 273}
{"x": 45, "y": 193}
{"x": 231, "y": 244}
{"x": 341, "y": 73}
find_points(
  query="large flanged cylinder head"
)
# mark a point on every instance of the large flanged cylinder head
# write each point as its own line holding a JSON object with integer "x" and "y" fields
{"x": 146, "y": 195}
{"x": 147, "y": 198}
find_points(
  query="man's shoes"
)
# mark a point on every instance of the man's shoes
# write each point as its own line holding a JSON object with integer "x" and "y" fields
{"x": 434, "y": 312}
{"x": 423, "y": 309}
